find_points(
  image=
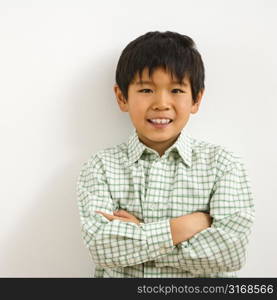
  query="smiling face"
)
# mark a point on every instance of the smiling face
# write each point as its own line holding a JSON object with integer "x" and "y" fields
{"x": 159, "y": 107}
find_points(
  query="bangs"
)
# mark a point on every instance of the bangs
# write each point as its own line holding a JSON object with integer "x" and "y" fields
{"x": 156, "y": 54}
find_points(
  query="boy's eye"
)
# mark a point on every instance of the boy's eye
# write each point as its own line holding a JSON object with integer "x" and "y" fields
{"x": 144, "y": 91}
{"x": 177, "y": 91}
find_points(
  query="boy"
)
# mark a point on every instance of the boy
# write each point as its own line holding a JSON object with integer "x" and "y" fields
{"x": 164, "y": 204}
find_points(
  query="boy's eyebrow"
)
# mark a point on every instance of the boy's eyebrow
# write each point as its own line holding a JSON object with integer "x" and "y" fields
{"x": 151, "y": 82}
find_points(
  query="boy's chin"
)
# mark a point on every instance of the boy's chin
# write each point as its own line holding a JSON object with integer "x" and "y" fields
{"x": 161, "y": 137}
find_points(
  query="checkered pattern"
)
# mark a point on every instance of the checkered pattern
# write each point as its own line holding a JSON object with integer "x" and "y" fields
{"x": 191, "y": 176}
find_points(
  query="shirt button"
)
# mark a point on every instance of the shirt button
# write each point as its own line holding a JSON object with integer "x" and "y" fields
{"x": 158, "y": 163}
{"x": 163, "y": 250}
{"x": 152, "y": 206}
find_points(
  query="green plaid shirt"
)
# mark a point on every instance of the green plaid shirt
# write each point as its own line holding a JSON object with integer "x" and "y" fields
{"x": 191, "y": 176}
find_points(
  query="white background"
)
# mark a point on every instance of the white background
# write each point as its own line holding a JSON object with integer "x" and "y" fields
{"x": 57, "y": 70}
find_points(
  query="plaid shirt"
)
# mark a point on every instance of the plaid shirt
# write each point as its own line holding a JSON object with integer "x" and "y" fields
{"x": 191, "y": 176}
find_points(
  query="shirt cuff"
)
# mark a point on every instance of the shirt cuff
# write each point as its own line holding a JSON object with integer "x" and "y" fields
{"x": 159, "y": 238}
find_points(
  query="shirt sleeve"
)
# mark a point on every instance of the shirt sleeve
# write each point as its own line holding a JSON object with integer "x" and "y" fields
{"x": 221, "y": 247}
{"x": 115, "y": 243}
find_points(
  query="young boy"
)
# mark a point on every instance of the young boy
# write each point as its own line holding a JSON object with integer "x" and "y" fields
{"x": 164, "y": 204}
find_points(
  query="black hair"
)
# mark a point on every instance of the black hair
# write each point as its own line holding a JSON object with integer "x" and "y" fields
{"x": 174, "y": 52}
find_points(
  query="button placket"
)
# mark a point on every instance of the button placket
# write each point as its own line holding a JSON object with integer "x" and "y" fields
{"x": 153, "y": 202}
{"x": 139, "y": 185}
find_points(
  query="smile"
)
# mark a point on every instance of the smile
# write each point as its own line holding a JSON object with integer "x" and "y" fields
{"x": 159, "y": 123}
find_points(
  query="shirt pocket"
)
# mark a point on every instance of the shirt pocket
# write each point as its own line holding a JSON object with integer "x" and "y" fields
{"x": 188, "y": 195}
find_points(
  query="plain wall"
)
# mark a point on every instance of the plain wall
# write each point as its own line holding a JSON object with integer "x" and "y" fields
{"x": 57, "y": 71}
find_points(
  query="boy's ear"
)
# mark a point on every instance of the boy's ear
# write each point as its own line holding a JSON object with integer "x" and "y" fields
{"x": 122, "y": 102}
{"x": 195, "y": 106}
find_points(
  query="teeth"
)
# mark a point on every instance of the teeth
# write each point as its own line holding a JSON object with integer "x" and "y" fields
{"x": 160, "y": 121}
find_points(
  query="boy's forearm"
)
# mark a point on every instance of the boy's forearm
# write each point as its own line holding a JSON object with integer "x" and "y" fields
{"x": 184, "y": 227}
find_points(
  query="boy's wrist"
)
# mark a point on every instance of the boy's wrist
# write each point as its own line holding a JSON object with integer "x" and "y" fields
{"x": 185, "y": 227}
{"x": 179, "y": 229}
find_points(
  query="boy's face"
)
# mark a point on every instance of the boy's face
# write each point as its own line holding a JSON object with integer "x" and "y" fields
{"x": 152, "y": 104}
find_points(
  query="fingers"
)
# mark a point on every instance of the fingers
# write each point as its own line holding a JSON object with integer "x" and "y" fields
{"x": 112, "y": 217}
{"x": 118, "y": 213}
{"x": 123, "y": 213}
{"x": 107, "y": 216}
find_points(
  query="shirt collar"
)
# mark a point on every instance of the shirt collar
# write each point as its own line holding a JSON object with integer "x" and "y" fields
{"x": 183, "y": 145}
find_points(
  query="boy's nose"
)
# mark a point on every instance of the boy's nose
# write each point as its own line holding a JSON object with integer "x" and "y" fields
{"x": 161, "y": 107}
{"x": 161, "y": 102}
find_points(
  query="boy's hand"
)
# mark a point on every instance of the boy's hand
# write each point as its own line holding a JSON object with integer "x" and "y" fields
{"x": 121, "y": 215}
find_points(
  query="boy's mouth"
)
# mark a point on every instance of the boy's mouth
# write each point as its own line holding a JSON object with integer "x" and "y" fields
{"x": 160, "y": 123}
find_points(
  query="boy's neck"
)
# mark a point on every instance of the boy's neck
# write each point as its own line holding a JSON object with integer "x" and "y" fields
{"x": 160, "y": 147}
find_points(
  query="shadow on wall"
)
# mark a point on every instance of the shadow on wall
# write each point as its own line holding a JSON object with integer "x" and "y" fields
{"x": 46, "y": 242}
